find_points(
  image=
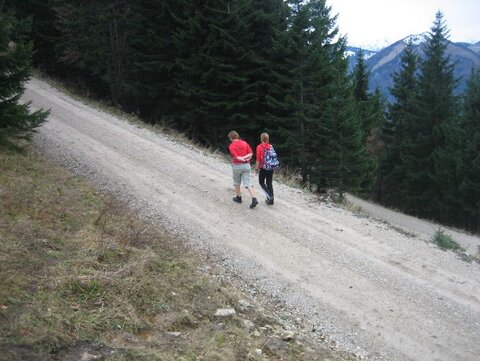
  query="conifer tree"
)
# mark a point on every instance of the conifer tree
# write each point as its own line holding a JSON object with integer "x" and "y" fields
{"x": 345, "y": 162}
{"x": 43, "y": 31}
{"x": 361, "y": 77}
{"x": 314, "y": 68}
{"x": 15, "y": 69}
{"x": 398, "y": 133}
{"x": 210, "y": 84}
{"x": 229, "y": 68}
{"x": 267, "y": 74}
{"x": 154, "y": 55}
{"x": 470, "y": 162}
{"x": 365, "y": 103}
{"x": 291, "y": 131}
{"x": 370, "y": 109}
{"x": 95, "y": 40}
{"x": 430, "y": 181}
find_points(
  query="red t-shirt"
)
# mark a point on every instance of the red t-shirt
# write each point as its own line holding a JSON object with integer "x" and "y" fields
{"x": 261, "y": 153}
{"x": 239, "y": 148}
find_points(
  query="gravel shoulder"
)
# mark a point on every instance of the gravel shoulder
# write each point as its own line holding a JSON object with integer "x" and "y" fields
{"x": 355, "y": 281}
{"x": 421, "y": 228}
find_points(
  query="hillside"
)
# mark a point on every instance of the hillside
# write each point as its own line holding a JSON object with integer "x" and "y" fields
{"x": 370, "y": 288}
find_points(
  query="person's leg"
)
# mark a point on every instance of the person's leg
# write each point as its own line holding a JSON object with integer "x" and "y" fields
{"x": 261, "y": 179}
{"x": 269, "y": 179}
{"x": 237, "y": 180}
{"x": 254, "y": 200}
{"x": 247, "y": 182}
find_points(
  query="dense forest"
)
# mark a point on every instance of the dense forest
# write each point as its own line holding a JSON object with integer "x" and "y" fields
{"x": 206, "y": 67}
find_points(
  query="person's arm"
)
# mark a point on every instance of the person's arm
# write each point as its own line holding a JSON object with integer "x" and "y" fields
{"x": 259, "y": 157}
{"x": 249, "y": 154}
{"x": 241, "y": 158}
{"x": 234, "y": 153}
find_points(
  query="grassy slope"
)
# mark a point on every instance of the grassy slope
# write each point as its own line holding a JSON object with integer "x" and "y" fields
{"x": 81, "y": 273}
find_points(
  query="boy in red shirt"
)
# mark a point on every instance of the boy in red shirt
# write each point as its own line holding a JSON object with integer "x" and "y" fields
{"x": 241, "y": 155}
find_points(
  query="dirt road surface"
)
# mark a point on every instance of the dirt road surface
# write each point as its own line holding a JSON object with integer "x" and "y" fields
{"x": 360, "y": 283}
{"x": 423, "y": 229}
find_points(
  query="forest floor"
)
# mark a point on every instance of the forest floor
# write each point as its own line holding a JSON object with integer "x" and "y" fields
{"x": 368, "y": 287}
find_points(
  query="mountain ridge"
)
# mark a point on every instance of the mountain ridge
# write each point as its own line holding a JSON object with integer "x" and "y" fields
{"x": 383, "y": 63}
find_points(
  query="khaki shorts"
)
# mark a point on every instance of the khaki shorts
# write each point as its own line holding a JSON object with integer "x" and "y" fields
{"x": 241, "y": 174}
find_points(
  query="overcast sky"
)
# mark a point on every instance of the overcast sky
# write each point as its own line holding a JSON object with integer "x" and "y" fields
{"x": 381, "y": 22}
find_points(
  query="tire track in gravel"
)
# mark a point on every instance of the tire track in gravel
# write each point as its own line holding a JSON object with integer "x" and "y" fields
{"x": 371, "y": 289}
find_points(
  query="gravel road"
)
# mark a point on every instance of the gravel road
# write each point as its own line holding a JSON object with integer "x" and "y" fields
{"x": 359, "y": 283}
{"x": 420, "y": 228}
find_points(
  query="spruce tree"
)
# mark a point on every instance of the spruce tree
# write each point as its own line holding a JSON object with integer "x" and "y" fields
{"x": 314, "y": 70}
{"x": 95, "y": 42}
{"x": 369, "y": 105}
{"x": 154, "y": 54}
{"x": 267, "y": 74}
{"x": 470, "y": 162}
{"x": 43, "y": 32}
{"x": 15, "y": 69}
{"x": 208, "y": 78}
{"x": 361, "y": 77}
{"x": 370, "y": 109}
{"x": 244, "y": 43}
{"x": 344, "y": 160}
{"x": 431, "y": 180}
{"x": 291, "y": 130}
{"x": 398, "y": 133}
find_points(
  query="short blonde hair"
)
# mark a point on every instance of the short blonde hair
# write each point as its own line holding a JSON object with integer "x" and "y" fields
{"x": 233, "y": 135}
{"x": 265, "y": 137}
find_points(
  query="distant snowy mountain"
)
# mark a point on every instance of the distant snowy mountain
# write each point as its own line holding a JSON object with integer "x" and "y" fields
{"x": 384, "y": 63}
{"x": 351, "y": 55}
{"x": 475, "y": 47}
{"x": 377, "y": 45}
{"x": 415, "y": 39}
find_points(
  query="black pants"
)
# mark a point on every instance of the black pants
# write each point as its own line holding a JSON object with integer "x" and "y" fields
{"x": 265, "y": 178}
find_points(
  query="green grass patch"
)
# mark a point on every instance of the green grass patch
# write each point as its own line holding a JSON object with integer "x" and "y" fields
{"x": 445, "y": 241}
{"x": 83, "y": 292}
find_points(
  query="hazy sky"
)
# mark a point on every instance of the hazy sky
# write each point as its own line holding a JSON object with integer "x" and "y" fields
{"x": 371, "y": 22}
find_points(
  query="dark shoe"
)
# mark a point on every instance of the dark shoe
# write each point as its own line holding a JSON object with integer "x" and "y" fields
{"x": 237, "y": 199}
{"x": 269, "y": 201}
{"x": 254, "y": 203}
